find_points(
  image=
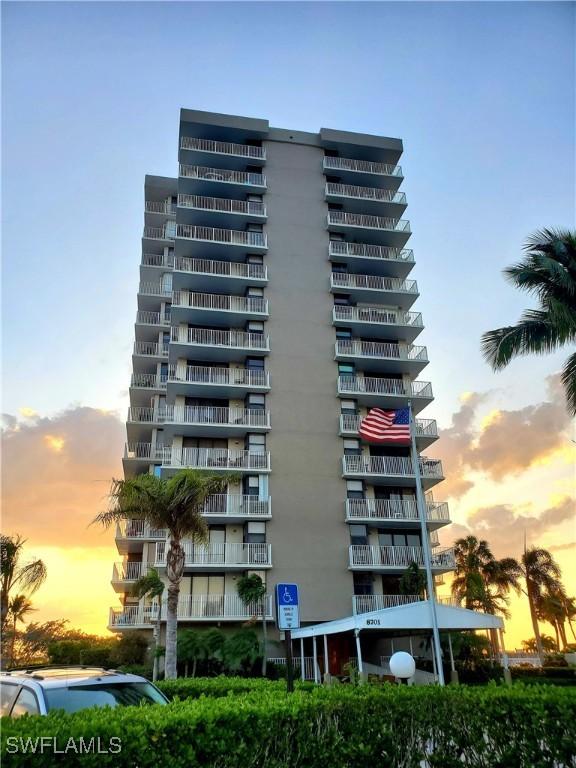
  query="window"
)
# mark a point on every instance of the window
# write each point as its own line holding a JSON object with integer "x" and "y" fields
{"x": 26, "y": 704}
{"x": 8, "y": 693}
{"x": 255, "y": 363}
{"x": 255, "y": 402}
{"x": 251, "y": 485}
{"x": 341, "y": 300}
{"x": 255, "y": 326}
{"x": 255, "y": 292}
{"x": 254, "y": 228}
{"x": 363, "y": 584}
{"x": 343, "y": 333}
{"x": 348, "y": 407}
{"x": 341, "y": 269}
{"x": 346, "y": 369}
{"x": 352, "y": 447}
{"x": 359, "y": 535}
{"x": 354, "y": 489}
{"x": 256, "y": 443}
{"x": 255, "y": 258}
{"x": 255, "y": 533}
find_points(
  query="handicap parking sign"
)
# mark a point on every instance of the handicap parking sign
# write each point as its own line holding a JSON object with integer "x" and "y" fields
{"x": 287, "y": 606}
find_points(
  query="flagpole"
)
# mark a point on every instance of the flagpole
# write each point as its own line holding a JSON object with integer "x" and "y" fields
{"x": 421, "y": 504}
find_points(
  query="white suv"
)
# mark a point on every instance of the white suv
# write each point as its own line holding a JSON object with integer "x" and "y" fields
{"x": 39, "y": 691}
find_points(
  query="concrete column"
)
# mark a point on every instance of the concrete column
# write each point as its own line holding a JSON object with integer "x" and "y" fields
{"x": 302, "y": 676}
{"x": 359, "y": 651}
{"x": 453, "y": 671}
{"x": 315, "y": 660}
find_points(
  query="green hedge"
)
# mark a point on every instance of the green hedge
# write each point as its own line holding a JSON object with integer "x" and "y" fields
{"x": 194, "y": 687}
{"x": 341, "y": 727}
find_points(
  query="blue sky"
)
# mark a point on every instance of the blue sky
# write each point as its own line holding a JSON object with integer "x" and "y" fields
{"x": 481, "y": 93}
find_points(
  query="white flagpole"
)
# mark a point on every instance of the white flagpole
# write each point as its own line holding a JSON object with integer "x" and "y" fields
{"x": 421, "y": 503}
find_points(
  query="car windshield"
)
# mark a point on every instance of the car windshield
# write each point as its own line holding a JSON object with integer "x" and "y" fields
{"x": 76, "y": 697}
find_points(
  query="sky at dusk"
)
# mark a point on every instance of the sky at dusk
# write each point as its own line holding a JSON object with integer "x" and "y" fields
{"x": 482, "y": 95}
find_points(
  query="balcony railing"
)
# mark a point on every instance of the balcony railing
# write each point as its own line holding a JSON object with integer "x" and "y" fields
{"x": 150, "y": 349}
{"x": 236, "y": 505}
{"x": 162, "y": 206}
{"x": 215, "y": 458}
{"x": 374, "y": 386}
{"x": 368, "y": 251}
{"x": 200, "y": 415}
{"x": 221, "y": 268}
{"x": 369, "y": 603}
{"x": 222, "y": 205}
{"x": 144, "y": 452}
{"x": 223, "y": 175}
{"x": 148, "y": 381}
{"x": 157, "y": 260}
{"x": 229, "y": 236}
{"x": 343, "y": 218}
{"x": 361, "y": 166}
{"x": 379, "y": 349}
{"x": 223, "y": 148}
{"x": 376, "y": 315}
{"x": 195, "y": 607}
{"x": 138, "y": 529}
{"x": 346, "y": 281}
{"x": 152, "y": 318}
{"x": 397, "y": 557}
{"x": 220, "y": 302}
{"x": 395, "y": 509}
{"x": 350, "y": 422}
{"x": 158, "y": 233}
{"x": 392, "y": 466}
{"x": 211, "y": 338}
{"x": 130, "y": 571}
{"x": 199, "y": 374}
{"x": 219, "y": 554}
{"x": 365, "y": 193}
{"x": 155, "y": 289}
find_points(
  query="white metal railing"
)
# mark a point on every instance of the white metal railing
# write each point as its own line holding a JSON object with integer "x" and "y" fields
{"x": 227, "y": 606}
{"x": 144, "y": 451}
{"x": 223, "y": 148}
{"x": 219, "y": 554}
{"x": 400, "y": 466}
{"x": 375, "y": 386}
{"x": 138, "y": 529}
{"x": 201, "y": 415}
{"x": 368, "y": 603}
{"x": 361, "y": 166}
{"x": 215, "y": 458}
{"x": 221, "y": 268}
{"x": 161, "y": 206}
{"x": 230, "y": 236}
{"x": 212, "y": 338}
{"x": 221, "y": 302}
{"x": 350, "y": 422}
{"x": 380, "y": 349}
{"x": 350, "y": 314}
{"x": 144, "y": 317}
{"x": 158, "y": 233}
{"x": 154, "y": 289}
{"x": 372, "y": 283}
{"x": 222, "y": 205}
{"x": 369, "y": 251}
{"x": 150, "y": 348}
{"x": 148, "y": 381}
{"x": 158, "y": 260}
{"x": 365, "y": 193}
{"x": 366, "y": 555}
{"x": 394, "y": 509}
{"x": 130, "y": 571}
{"x": 368, "y": 222}
{"x": 199, "y": 374}
{"x": 222, "y": 174}
{"x": 236, "y": 505}
{"x": 280, "y": 661}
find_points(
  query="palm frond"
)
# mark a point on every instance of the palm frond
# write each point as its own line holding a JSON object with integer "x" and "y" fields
{"x": 532, "y": 334}
{"x": 569, "y": 382}
{"x": 31, "y": 576}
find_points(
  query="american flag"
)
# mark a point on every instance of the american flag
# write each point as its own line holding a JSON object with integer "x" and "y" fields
{"x": 386, "y": 426}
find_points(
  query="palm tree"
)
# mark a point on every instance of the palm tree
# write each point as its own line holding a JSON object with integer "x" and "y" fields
{"x": 151, "y": 585}
{"x": 551, "y": 608}
{"x": 191, "y": 647}
{"x": 27, "y": 577}
{"x": 541, "y": 575}
{"x": 18, "y": 608}
{"x": 546, "y": 641}
{"x": 252, "y": 592}
{"x": 413, "y": 581}
{"x": 175, "y": 504}
{"x": 548, "y": 272}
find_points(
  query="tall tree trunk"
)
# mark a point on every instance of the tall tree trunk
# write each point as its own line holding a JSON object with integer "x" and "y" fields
{"x": 186, "y": 668}
{"x": 555, "y": 625}
{"x": 533, "y": 616}
{"x": 563, "y": 637}
{"x": 194, "y": 663}
{"x": 264, "y": 638}
{"x": 174, "y": 569}
{"x": 157, "y": 634}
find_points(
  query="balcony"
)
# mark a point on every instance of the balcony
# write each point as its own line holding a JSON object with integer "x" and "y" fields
{"x": 230, "y": 508}
{"x": 426, "y": 429}
{"x": 196, "y": 421}
{"x": 379, "y": 322}
{"x": 144, "y": 385}
{"x": 364, "y": 172}
{"x": 216, "y": 345}
{"x": 215, "y": 459}
{"x": 131, "y": 534}
{"x": 125, "y": 574}
{"x": 203, "y": 381}
{"x": 221, "y": 152}
{"x": 222, "y": 243}
{"x": 369, "y": 603}
{"x": 374, "y": 229}
{"x": 219, "y": 556}
{"x": 386, "y": 393}
{"x": 219, "y": 211}
{"x": 363, "y": 288}
{"x": 376, "y": 259}
{"x": 367, "y": 199}
{"x": 158, "y": 212}
{"x": 150, "y": 349}
{"x": 396, "y": 512}
{"x": 200, "y": 180}
{"x": 392, "y": 470}
{"x": 397, "y": 559}
{"x": 207, "y": 275}
{"x": 216, "y": 308}
{"x": 153, "y": 265}
{"x": 159, "y": 236}
{"x": 227, "y": 607}
{"x": 150, "y": 295}
{"x": 378, "y": 356}
{"x": 145, "y": 317}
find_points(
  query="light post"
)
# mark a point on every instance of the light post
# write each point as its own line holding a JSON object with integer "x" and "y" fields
{"x": 403, "y": 666}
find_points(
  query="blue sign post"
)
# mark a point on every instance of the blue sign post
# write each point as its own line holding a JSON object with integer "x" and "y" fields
{"x": 288, "y": 617}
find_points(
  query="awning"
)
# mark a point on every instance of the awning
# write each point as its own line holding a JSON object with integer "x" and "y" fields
{"x": 412, "y": 616}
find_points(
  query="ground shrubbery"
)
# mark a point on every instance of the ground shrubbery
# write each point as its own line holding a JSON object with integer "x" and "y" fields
{"x": 338, "y": 727}
{"x": 214, "y": 687}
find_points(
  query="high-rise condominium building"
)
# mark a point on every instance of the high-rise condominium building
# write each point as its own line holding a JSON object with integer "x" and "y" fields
{"x": 276, "y": 306}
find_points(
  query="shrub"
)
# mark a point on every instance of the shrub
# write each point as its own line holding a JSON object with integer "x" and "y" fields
{"x": 215, "y": 687}
{"x": 341, "y": 727}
